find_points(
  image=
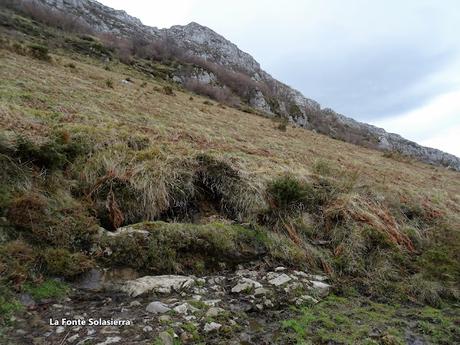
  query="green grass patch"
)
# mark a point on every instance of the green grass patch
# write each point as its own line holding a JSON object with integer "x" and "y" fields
{"x": 359, "y": 320}
{"x": 8, "y": 305}
{"x": 48, "y": 289}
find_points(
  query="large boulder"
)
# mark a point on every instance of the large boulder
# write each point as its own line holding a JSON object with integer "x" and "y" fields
{"x": 160, "y": 284}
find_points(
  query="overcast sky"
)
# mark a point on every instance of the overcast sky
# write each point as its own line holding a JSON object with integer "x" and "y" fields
{"x": 394, "y": 64}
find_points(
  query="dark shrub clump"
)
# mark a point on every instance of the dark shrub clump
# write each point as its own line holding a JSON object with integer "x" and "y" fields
{"x": 61, "y": 262}
{"x": 39, "y": 52}
{"x": 55, "y": 154}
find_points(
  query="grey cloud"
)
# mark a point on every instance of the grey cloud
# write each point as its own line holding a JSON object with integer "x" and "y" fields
{"x": 368, "y": 83}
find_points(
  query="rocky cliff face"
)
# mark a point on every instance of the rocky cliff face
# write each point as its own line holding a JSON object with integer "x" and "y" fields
{"x": 280, "y": 100}
{"x": 102, "y": 18}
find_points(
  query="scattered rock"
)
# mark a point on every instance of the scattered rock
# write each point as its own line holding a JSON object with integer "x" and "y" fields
{"x": 247, "y": 273}
{"x": 110, "y": 330}
{"x": 258, "y": 296}
{"x": 85, "y": 341}
{"x": 320, "y": 288}
{"x": 317, "y": 277}
{"x": 212, "y": 327}
{"x": 268, "y": 303}
{"x": 246, "y": 285}
{"x": 135, "y": 304}
{"x": 184, "y": 308}
{"x": 110, "y": 340}
{"x": 72, "y": 338}
{"x": 147, "y": 329}
{"x": 306, "y": 299}
{"x": 280, "y": 269}
{"x": 26, "y": 300}
{"x": 212, "y": 302}
{"x": 301, "y": 274}
{"x": 166, "y": 338}
{"x": 164, "y": 318}
{"x": 261, "y": 292}
{"x": 157, "y": 308}
{"x": 181, "y": 309}
{"x": 214, "y": 311}
{"x": 126, "y": 230}
{"x": 161, "y": 284}
{"x": 280, "y": 280}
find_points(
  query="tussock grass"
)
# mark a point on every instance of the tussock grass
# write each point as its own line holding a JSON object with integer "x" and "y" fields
{"x": 236, "y": 196}
{"x": 129, "y": 186}
{"x": 52, "y": 220}
{"x": 17, "y": 260}
{"x": 124, "y": 189}
{"x": 352, "y": 208}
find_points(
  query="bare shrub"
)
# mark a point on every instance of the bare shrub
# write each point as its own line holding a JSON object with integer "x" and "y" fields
{"x": 365, "y": 211}
{"x": 140, "y": 47}
{"x": 398, "y": 156}
{"x": 51, "y": 17}
{"x": 282, "y": 123}
{"x": 109, "y": 83}
{"x": 39, "y": 52}
{"x": 220, "y": 94}
{"x": 240, "y": 83}
{"x": 168, "y": 90}
{"x": 123, "y": 47}
{"x": 166, "y": 49}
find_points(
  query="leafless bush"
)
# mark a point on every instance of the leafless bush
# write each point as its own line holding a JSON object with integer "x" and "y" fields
{"x": 219, "y": 94}
{"x": 166, "y": 49}
{"x": 123, "y": 47}
{"x": 140, "y": 47}
{"x": 240, "y": 83}
{"x": 51, "y": 17}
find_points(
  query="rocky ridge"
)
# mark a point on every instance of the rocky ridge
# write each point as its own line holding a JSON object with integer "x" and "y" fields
{"x": 283, "y": 100}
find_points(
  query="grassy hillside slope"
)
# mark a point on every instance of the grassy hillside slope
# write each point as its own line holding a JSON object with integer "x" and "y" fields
{"x": 88, "y": 142}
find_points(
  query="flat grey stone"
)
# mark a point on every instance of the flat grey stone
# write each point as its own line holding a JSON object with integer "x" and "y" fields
{"x": 161, "y": 284}
{"x": 157, "y": 308}
{"x": 212, "y": 327}
{"x": 280, "y": 280}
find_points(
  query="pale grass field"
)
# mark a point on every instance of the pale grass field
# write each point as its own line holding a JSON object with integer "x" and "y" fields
{"x": 37, "y": 96}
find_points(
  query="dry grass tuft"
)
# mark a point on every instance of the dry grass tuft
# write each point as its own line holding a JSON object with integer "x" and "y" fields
{"x": 354, "y": 208}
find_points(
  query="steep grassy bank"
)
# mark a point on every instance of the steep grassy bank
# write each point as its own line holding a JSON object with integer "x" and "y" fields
{"x": 88, "y": 142}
